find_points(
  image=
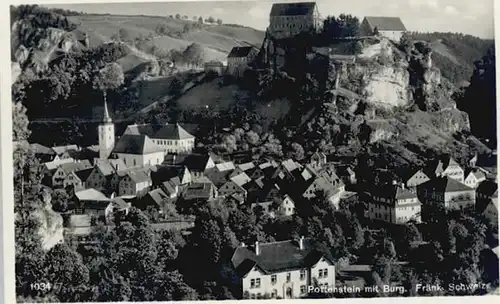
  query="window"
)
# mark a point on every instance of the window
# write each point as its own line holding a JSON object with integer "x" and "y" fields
{"x": 302, "y": 289}
{"x": 320, "y": 273}
{"x": 302, "y": 275}
{"x": 288, "y": 277}
{"x": 257, "y": 283}
{"x": 325, "y": 272}
{"x": 252, "y": 296}
{"x": 135, "y": 162}
{"x": 274, "y": 294}
{"x": 273, "y": 279}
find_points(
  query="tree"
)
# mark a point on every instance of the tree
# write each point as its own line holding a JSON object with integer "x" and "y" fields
{"x": 194, "y": 54}
{"x": 345, "y": 25}
{"x": 252, "y": 138}
{"x": 20, "y": 122}
{"x": 297, "y": 151}
{"x": 219, "y": 21}
{"x": 176, "y": 86}
{"x": 211, "y": 19}
{"x": 60, "y": 200}
{"x": 109, "y": 78}
{"x": 200, "y": 20}
{"x": 124, "y": 35}
{"x": 177, "y": 16}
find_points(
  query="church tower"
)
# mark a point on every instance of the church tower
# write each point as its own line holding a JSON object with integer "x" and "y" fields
{"x": 106, "y": 132}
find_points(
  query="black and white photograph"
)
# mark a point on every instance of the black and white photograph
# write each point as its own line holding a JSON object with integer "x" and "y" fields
{"x": 232, "y": 150}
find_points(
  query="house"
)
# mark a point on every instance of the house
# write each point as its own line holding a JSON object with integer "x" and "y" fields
{"x": 214, "y": 66}
{"x": 172, "y": 138}
{"x": 197, "y": 164}
{"x": 155, "y": 198}
{"x": 66, "y": 169}
{"x": 286, "y": 206}
{"x": 347, "y": 175}
{"x": 65, "y": 152}
{"x": 101, "y": 177}
{"x": 171, "y": 188}
{"x": 394, "y": 204}
{"x": 239, "y": 58}
{"x": 389, "y": 27}
{"x": 161, "y": 174}
{"x": 220, "y": 174}
{"x": 235, "y": 185}
{"x": 326, "y": 182}
{"x": 416, "y": 179}
{"x": 446, "y": 166}
{"x": 43, "y": 153}
{"x": 448, "y": 193}
{"x": 135, "y": 182}
{"x": 200, "y": 190}
{"x": 318, "y": 160}
{"x": 91, "y": 202}
{"x": 474, "y": 177}
{"x": 489, "y": 209}
{"x": 282, "y": 269}
{"x": 290, "y": 19}
{"x": 77, "y": 179}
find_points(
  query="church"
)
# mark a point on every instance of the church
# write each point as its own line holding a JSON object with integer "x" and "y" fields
{"x": 142, "y": 145}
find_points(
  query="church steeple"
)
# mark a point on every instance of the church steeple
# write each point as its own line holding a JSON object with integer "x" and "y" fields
{"x": 107, "y": 118}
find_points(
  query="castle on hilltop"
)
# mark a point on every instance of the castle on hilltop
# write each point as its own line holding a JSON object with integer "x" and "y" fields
{"x": 290, "y": 19}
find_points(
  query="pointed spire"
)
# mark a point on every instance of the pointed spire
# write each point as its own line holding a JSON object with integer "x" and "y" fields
{"x": 107, "y": 118}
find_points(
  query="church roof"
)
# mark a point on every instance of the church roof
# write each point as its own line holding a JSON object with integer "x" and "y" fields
{"x": 293, "y": 9}
{"x": 240, "y": 51}
{"x": 386, "y": 23}
{"x": 173, "y": 131}
{"x": 136, "y": 144}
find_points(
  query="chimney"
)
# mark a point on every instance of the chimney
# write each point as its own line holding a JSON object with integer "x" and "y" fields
{"x": 243, "y": 244}
{"x": 257, "y": 248}
{"x": 301, "y": 243}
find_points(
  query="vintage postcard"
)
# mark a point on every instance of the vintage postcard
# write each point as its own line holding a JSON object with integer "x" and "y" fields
{"x": 230, "y": 150}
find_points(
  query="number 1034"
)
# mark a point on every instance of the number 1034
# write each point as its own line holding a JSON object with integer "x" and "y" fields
{"x": 41, "y": 286}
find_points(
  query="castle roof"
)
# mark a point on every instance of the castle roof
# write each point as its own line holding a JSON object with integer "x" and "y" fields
{"x": 385, "y": 23}
{"x": 293, "y": 9}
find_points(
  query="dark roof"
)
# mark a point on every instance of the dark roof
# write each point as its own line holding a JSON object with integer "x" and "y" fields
{"x": 198, "y": 190}
{"x": 172, "y": 131}
{"x": 386, "y": 23}
{"x": 138, "y": 176}
{"x": 136, "y": 144}
{"x": 278, "y": 256}
{"x": 165, "y": 173}
{"x": 75, "y": 166}
{"x": 393, "y": 192}
{"x": 84, "y": 174}
{"x": 169, "y": 186}
{"x": 194, "y": 162}
{"x": 293, "y": 9}
{"x": 487, "y": 187}
{"x": 240, "y": 51}
{"x": 158, "y": 196}
{"x": 446, "y": 184}
{"x": 61, "y": 149}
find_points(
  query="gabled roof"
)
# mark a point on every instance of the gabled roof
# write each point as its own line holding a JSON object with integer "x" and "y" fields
{"x": 278, "y": 256}
{"x": 194, "y": 162}
{"x": 158, "y": 196}
{"x": 293, "y": 9}
{"x": 84, "y": 174}
{"x": 91, "y": 195}
{"x": 75, "y": 166}
{"x": 136, "y": 144}
{"x": 41, "y": 149}
{"x": 446, "y": 184}
{"x": 172, "y": 132}
{"x": 246, "y": 166}
{"x": 225, "y": 166}
{"x": 478, "y": 174}
{"x": 198, "y": 190}
{"x": 138, "y": 176}
{"x": 61, "y": 149}
{"x": 240, "y": 51}
{"x": 386, "y": 23}
{"x": 241, "y": 179}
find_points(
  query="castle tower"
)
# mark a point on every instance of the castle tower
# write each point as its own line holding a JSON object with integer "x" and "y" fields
{"x": 106, "y": 132}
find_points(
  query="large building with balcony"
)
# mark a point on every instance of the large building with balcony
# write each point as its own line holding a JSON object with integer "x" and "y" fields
{"x": 282, "y": 269}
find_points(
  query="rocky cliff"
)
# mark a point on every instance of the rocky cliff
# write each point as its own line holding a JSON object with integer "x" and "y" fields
{"x": 51, "y": 228}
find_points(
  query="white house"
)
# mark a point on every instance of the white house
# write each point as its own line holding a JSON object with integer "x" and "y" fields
{"x": 282, "y": 269}
{"x": 394, "y": 204}
{"x": 446, "y": 166}
{"x": 474, "y": 177}
{"x": 389, "y": 27}
{"x": 416, "y": 179}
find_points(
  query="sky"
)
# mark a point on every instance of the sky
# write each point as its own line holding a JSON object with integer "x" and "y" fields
{"x": 474, "y": 17}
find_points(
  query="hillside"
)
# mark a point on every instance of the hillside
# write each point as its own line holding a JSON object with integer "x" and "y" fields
{"x": 177, "y": 34}
{"x": 454, "y": 53}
